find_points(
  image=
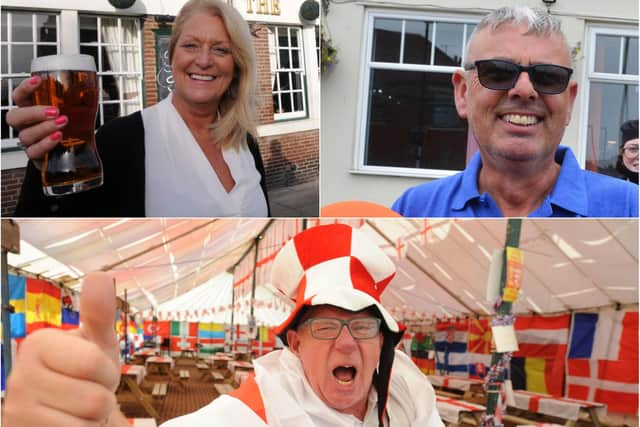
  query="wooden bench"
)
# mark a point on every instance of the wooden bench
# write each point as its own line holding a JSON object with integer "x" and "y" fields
{"x": 223, "y": 388}
{"x": 159, "y": 393}
{"x": 216, "y": 376}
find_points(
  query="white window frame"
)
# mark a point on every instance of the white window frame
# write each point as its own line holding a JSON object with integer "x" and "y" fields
{"x": 275, "y": 56}
{"x": 118, "y": 75}
{"x": 365, "y": 74}
{"x": 10, "y": 144}
{"x": 590, "y": 76}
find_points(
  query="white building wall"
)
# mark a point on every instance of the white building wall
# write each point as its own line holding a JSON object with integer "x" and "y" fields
{"x": 340, "y": 86}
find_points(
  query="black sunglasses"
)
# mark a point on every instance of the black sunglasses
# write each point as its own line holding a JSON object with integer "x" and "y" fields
{"x": 498, "y": 74}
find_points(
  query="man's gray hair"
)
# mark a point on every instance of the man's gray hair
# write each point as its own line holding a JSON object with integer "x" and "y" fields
{"x": 538, "y": 21}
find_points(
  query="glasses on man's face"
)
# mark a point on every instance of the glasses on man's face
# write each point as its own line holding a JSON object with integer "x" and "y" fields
{"x": 329, "y": 328}
{"x": 498, "y": 74}
{"x": 631, "y": 150}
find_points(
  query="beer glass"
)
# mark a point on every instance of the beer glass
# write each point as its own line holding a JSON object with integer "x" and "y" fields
{"x": 69, "y": 82}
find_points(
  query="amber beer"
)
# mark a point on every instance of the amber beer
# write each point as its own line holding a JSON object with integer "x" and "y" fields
{"x": 69, "y": 82}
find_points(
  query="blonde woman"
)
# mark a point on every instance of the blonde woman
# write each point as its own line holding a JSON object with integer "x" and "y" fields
{"x": 192, "y": 154}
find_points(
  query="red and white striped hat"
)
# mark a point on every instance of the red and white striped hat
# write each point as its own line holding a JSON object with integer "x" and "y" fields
{"x": 334, "y": 265}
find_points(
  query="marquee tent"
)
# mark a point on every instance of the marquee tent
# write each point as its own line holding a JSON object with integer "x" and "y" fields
{"x": 443, "y": 264}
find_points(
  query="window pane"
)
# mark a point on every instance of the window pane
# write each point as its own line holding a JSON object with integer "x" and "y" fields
{"x": 607, "y": 54}
{"x": 46, "y": 27}
{"x": 294, "y": 38}
{"x": 6, "y": 132}
{"x": 21, "y": 30}
{"x": 44, "y": 50}
{"x": 610, "y": 105}
{"x": 283, "y": 38}
{"x": 297, "y": 80}
{"x": 413, "y": 121}
{"x": 3, "y": 28}
{"x": 286, "y": 102}
{"x": 276, "y": 104}
{"x": 3, "y": 58}
{"x": 284, "y": 58}
{"x": 21, "y": 57}
{"x": 130, "y": 91}
{"x": 417, "y": 42}
{"x": 631, "y": 57}
{"x": 386, "y": 40}
{"x": 284, "y": 81}
{"x": 110, "y": 88}
{"x": 130, "y": 57}
{"x": 111, "y": 111}
{"x": 129, "y": 31}
{"x": 88, "y": 29}
{"x": 295, "y": 58}
{"x": 448, "y": 44}
{"x": 90, "y": 50}
{"x": 297, "y": 101}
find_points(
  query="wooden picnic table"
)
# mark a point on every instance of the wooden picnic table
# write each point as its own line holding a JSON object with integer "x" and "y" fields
{"x": 129, "y": 389}
{"x": 235, "y": 365}
{"x": 219, "y": 361}
{"x": 159, "y": 364}
{"x": 568, "y": 409}
{"x": 458, "y": 412}
{"x": 470, "y": 389}
{"x": 223, "y": 388}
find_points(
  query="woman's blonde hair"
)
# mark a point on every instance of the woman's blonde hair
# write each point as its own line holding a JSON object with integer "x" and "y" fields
{"x": 237, "y": 106}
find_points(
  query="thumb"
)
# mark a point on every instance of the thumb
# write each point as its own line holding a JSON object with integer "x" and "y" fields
{"x": 98, "y": 313}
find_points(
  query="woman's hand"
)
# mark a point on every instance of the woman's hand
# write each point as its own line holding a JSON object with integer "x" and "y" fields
{"x": 39, "y": 125}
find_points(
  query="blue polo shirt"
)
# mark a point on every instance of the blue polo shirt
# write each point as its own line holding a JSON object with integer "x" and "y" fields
{"x": 576, "y": 193}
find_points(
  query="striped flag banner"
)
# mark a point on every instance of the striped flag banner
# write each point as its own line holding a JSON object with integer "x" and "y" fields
{"x": 539, "y": 364}
{"x": 17, "y": 297}
{"x": 44, "y": 306}
{"x": 602, "y": 361}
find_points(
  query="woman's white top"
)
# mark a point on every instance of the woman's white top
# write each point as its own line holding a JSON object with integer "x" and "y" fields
{"x": 179, "y": 180}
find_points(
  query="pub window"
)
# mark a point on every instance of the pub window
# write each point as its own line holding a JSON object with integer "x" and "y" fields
{"x": 409, "y": 124}
{"x": 612, "y": 94}
{"x": 23, "y": 36}
{"x": 287, "y": 72}
{"x": 114, "y": 43}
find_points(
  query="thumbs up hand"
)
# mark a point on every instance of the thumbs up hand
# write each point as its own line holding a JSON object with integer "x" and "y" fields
{"x": 68, "y": 378}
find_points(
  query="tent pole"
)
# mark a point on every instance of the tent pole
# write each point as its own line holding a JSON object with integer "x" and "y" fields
{"x": 10, "y": 243}
{"x": 514, "y": 226}
{"x": 252, "y": 320}
{"x": 233, "y": 308}
{"x": 6, "y": 325}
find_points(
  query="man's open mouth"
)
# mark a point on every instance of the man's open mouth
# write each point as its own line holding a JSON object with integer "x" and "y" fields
{"x": 345, "y": 374}
{"x": 201, "y": 77}
{"x": 520, "y": 119}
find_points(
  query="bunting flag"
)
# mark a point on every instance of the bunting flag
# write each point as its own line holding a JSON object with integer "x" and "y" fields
{"x": 602, "y": 362}
{"x": 451, "y": 347}
{"x": 44, "y": 305}
{"x": 17, "y": 295}
{"x": 70, "y": 319}
{"x": 539, "y": 364}
{"x": 479, "y": 346}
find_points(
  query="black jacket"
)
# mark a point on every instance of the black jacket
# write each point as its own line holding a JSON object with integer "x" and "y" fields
{"x": 120, "y": 144}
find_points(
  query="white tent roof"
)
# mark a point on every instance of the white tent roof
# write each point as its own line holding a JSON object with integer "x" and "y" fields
{"x": 442, "y": 264}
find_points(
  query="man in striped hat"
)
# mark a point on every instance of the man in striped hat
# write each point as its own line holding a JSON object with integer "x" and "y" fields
{"x": 337, "y": 367}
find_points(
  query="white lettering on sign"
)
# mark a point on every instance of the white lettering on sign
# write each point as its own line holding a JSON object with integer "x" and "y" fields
{"x": 263, "y": 7}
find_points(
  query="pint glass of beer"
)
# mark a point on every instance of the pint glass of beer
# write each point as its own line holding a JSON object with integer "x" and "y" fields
{"x": 69, "y": 82}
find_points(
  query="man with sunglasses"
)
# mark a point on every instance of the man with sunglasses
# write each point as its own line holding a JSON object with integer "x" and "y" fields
{"x": 336, "y": 369}
{"x": 516, "y": 92}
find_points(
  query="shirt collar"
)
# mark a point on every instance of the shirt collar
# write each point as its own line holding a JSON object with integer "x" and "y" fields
{"x": 569, "y": 192}
{"x": 469, "y": 187}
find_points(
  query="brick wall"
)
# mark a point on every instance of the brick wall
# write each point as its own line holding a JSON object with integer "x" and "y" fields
{"x": 291, "y": 159}
{"x": 149, "y": 61}
{"x": 10, "y": 188}
{"x": 264, "y": 99}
